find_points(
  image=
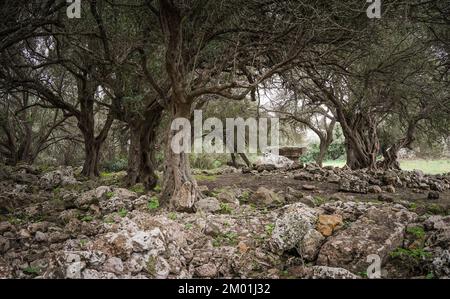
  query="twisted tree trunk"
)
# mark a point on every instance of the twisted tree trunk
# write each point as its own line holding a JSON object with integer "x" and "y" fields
{"x": 361, "y": 141}
{"x": 179, "y": 186}
{"x": 141, "y": 157}
{"x": 390, "y": 154}
{"x": 86, "y": 124}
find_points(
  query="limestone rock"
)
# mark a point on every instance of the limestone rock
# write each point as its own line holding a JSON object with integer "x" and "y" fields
{"x": 328, "y": 223}
{"x": 291, "y": 227}
{"x": 265, "y": 196}
{"x": 208, "y": 205}
{"x": 379, "y": 231}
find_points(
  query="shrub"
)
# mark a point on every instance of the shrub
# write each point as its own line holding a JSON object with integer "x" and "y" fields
{"x": 115, "y": 165}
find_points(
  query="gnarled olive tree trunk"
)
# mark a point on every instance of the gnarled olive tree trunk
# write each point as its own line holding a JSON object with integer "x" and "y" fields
{"x": 390, "y": 153}
{"x": 86, "y": 124}
{"x": 361, "y": 141}
{"x": 141, "y": 155}
{"x": 179, "y": 186}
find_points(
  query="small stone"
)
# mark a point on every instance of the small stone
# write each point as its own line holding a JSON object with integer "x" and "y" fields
{"x": 24, "y": 234}
{"x": 328, "y": 223}
{"x": 374, "y": 189}
{"x": 334, "y": 179}
{"x": 385, "y": 198}
{"x": 206, "y": 271}
{"x": 38, "y": 226}
{"x": 308, "y": 200}
{"x": 424, "y": 186}
{"x": 390, "y": 189}
{"x": 73, "y": 271}
{"x": 309, "y": 187}
{"x": 243, "y": 248}
{"x": 433, "y": 195}
{"x": 40, "y": 237}
{"x": 5, "y": 227}
{"x": 203, "y": 189}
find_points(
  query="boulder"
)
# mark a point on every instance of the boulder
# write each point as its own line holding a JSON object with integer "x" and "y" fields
{"x": 228, "y": 196}
{"x": 264, "y": 196}
{"x": 292, "y": 226}
{"x": 309, "y": 247}
{"x": 439, "y": 231}
{"x": 208, "y": 205}
{"x": 379, "y": 231}
{"x": 275, "y": 160}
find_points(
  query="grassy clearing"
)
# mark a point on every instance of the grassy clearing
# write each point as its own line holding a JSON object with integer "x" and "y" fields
{"x": 427, "y": 166}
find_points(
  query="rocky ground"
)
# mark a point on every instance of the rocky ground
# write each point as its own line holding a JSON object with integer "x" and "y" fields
{"x": 297, "y": 222}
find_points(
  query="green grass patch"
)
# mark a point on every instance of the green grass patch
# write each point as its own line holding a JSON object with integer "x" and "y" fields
{"x": 226, "y": 239}
{"x": 269, "y": 228}
{"x": 32, "y": 271}
{"x": 204, "y": 177}
{"x": 172, "y": 216}
{"x": 417, "y": 254}
{"x": 123, "y": 213}
{"x": 107, "y": 175}
{"x": 153, "y": 203}
{"x": 427, "y": 166}
{"x": 435, "y": 209}
{"x": 87, "y": 218}
{"x": 157, "y": 188}
{"x": 139, "y": 189}
{"x": 225, "y": 208}
{"x": 245, "y": 196}
{"x": 417, "y": 231}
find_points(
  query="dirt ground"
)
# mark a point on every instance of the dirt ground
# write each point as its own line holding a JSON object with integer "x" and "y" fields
{"x": 279, "y": 182}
